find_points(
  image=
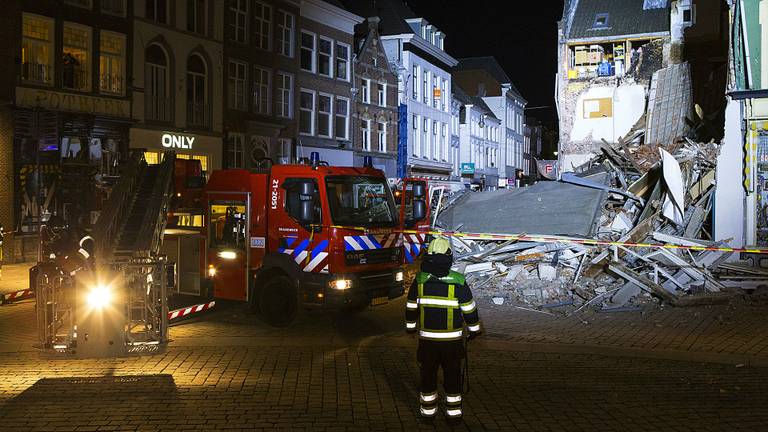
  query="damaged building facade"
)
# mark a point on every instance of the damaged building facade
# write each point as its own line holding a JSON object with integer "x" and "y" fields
{"x": 741, "y": 209}
{"x": 608, "y": 52}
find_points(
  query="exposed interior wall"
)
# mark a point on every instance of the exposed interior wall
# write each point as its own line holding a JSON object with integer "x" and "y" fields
{"x": 729, "y": 195}
{"x": 606, "y": 113}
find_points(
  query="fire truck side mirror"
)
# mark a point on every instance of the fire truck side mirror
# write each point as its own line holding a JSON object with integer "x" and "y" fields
{"x": 419, "y": 209}
{"x": 307, "y": 199}
{"x": 418, "y": 190}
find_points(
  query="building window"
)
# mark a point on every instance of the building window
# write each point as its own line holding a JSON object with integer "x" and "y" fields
{"x": 366, "y": 130}
{"x": 198, "y": 111}
{"x": 433, "y": 144}
{"x": 113, "y": 7}
{"x": 425, "y": 137}
{"x": 308, "y": 48}
{"x": 444, "y": 96}
{"x": 365, "y": 90}
{"x": 324, "y": 115}
{"x": 414, "y": 78}
{"x": 444, "y": 142}
{"x": 261, "y": 86}
{"x": 435, "y": 91}
{"x": 156, "y": 84}
{"x": 238, "y": 20}
{"x": 342, "y": 118}
{"x": 425, "y": 88}
{"x": 342, "y": 61}
{"x": 382, "y": 132}
{"x": 307, "y": 112}
{"x": 196, "y": 16}
{"x": 601, "y": 21}
{"x": 76, "y": 57}
{"x": 381, "y": 90}
{"x": 262, "y": 25}
{"x": 236, "y": 150}
{"x": 111, "y": 62}
{"x": 324, "y": 56}
{"x": 416, "y": 143}
{"x": 236, "y": 89}
{"x": 88, "y": 4}
{"x": 157, "y": 10}
{"x": 285, "y": 33}
{"x": 284, "y": 95}
{"x": 37, "y": 49}
{"x": 284, "y": 149}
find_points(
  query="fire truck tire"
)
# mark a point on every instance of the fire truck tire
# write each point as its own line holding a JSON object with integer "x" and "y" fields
{"x": 278, "y": 301}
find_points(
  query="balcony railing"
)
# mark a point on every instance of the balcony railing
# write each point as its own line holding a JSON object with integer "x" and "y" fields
{"x": 110, "y": 83}
{"x": 74, "y": 77}
{"x": 199, "y": 114}
{"x": 158, "y": 108}
{"x": 37, "y": 73}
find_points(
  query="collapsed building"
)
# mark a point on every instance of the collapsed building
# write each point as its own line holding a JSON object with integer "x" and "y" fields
{"x": 636, "y": 211}
{"x": 609, "y": 51}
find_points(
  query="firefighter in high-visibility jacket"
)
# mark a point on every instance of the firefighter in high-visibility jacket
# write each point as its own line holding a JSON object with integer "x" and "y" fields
{"x": 439, "y": 307}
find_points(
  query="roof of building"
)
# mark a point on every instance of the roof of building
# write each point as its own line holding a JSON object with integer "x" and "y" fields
{"x": 610, "y": 18}
{"x": 476, "y": 101}
{"x": 392, "y": 13}
{"x": 336, "y": 3}
{"x": 490, "y": 65}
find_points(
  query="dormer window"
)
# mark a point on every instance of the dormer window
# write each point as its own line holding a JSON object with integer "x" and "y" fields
{"x": 601, "y": 21}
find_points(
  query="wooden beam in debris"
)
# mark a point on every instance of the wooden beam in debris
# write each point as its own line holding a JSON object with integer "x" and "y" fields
{"x": 631, "y": 276}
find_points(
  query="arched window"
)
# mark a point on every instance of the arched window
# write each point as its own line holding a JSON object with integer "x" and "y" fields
{"x": 198, "y": 111}
{"x": 156, "y": 84}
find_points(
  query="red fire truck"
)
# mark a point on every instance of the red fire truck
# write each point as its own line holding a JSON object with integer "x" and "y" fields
{"x": 300, "y": 236}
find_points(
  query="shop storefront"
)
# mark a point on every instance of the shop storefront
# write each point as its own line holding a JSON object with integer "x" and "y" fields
{"x": 184, "y": 241}
{"x": 66, "y": 148}
{"x": 205, "y": 148}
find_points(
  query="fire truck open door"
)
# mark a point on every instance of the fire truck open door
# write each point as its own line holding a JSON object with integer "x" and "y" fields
{"x": 228, "y": 247}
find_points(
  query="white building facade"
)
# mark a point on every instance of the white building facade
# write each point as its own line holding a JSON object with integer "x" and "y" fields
{"x": 479, "y": 139}
{"x": 424, "y": 87}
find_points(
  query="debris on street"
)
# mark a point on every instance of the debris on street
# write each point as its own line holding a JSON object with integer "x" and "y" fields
{"x": 638, "y": 191}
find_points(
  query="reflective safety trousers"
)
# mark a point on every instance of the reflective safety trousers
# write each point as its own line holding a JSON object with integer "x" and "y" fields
{"x": 439, "y": 307}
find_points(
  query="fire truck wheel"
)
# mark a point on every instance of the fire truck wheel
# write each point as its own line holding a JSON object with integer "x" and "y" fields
{"x": 278, "y": 301}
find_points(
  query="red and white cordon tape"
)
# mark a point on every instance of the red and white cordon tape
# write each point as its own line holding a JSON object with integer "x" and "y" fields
{"x": 179, "y": 313}
{"x": 16, "y": 296}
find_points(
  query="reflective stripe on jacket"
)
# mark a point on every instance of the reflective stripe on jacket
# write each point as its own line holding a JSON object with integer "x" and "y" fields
{"x": 440, "y": 307}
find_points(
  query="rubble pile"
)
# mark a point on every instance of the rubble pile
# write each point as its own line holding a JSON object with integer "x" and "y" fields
{"x": 645, "y": 193}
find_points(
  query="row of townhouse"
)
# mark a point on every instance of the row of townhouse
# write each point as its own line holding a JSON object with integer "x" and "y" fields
{"x": 234, "y": 83}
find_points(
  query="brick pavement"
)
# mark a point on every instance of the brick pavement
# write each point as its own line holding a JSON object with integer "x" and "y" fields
{"x": 281, "y": 388}
{"x": 332, "y": 372}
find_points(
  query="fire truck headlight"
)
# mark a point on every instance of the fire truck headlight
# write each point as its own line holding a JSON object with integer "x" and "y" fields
{"x": 341, "y": 284}
{"x": 99, "y": 297}
{"x": 211, "y": 271}
{"x": 399, "y": 276}
{"x": 228, "y": 255}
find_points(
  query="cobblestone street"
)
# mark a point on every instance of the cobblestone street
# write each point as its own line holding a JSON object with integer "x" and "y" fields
{"x": 227, "y": 370}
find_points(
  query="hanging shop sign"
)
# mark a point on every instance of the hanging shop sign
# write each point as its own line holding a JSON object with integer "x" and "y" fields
{"x": 467, "y": 168}
{"x": 59, "y": 101}
{"x": 170, "y": 140}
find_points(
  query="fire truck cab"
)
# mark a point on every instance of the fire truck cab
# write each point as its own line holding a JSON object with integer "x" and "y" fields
{"x": 302, "y": 236}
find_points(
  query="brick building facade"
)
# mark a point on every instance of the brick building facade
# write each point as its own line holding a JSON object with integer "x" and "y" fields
{"x": 374, "y": 117}
{"x": 325, "y": 81}
{"x": 66, "y": 105}
{"x": 262, "y": 63}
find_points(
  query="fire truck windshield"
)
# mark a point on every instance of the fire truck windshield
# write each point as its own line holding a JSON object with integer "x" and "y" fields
{"x": 360, "y": 201}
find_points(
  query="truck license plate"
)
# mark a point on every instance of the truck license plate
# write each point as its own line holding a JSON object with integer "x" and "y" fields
{"x": 379, "y": 301}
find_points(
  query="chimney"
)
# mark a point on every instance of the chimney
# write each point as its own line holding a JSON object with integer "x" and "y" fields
{"x": 373, "y": 23}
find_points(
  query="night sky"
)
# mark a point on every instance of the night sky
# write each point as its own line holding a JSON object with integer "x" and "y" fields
{"x": 521, "y": 35}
